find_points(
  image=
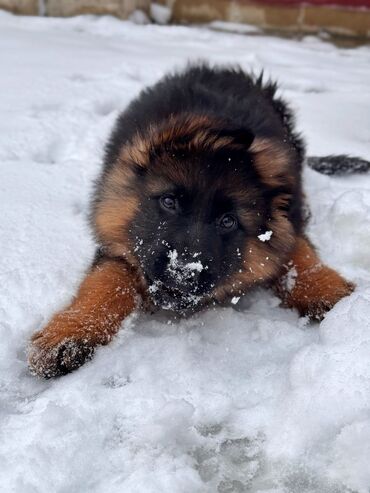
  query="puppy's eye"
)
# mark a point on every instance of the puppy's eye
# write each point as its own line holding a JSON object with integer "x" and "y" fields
{"x": 168, "y": 202}
{"x": 228, "y": 223}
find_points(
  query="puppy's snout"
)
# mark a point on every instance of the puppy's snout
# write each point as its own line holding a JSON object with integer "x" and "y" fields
{"x": 183, "y": 273}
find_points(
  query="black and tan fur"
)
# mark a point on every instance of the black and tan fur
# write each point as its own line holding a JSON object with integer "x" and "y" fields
{"x": 196, "y": 170}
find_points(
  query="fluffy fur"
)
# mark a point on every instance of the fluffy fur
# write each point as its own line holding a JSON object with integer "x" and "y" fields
{"x": 200, "y": 198}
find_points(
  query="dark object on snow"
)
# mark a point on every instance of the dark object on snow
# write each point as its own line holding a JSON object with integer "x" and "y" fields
{"x": 338, "y": 165}
{"x": 200, "y": 199}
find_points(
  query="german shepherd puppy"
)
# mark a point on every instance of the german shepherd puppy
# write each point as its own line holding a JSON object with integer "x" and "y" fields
{"x": 199, "y": 200}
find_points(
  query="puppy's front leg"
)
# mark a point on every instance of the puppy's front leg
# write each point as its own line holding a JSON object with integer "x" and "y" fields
{"x": 310, "y": 286}
{"x": 106, "y": 296}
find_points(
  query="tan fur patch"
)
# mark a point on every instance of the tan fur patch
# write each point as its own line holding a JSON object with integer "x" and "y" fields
{"x": 272, "y": 162}
{"x": 191, "y": 132}
{"x": 114, "y": 211}
{"x": 314, "y": 288}
{"x": 113, "y": 214}
{"x": 112, "y": 218}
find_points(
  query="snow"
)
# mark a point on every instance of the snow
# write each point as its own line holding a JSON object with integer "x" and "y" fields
{"x": 289, "y": 279}
{"x": 266, "y": 236}
{"x": 182, "y": 272}
{"x": 161, "y": 14}
{"x": 194, "y": 266}
{"x": 180, "y": 269}
{"x": 243, "y": 398}
{"x": 234, "y": 27}
{"x": 139, "y": 17}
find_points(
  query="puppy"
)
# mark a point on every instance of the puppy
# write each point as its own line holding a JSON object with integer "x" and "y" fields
{"x": 199, "y": 200}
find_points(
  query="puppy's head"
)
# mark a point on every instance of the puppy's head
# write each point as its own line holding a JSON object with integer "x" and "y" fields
{"x": 199, "y": 207}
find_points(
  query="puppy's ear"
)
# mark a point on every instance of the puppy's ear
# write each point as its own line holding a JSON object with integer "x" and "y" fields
{"x": 240, "y": 136}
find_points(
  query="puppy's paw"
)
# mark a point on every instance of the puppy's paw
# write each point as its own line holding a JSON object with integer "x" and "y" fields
{"x": 317, "y": 293}
{"x": 48, "y": 357}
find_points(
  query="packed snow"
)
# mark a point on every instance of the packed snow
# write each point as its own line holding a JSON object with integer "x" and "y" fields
{"x": 248, "y": 397}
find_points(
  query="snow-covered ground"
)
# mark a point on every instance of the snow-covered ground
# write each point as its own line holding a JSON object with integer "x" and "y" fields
{"x": 246, "y": 398}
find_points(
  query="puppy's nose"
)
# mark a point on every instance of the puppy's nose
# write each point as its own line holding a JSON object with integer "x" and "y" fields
{"x": 183, "y": 274}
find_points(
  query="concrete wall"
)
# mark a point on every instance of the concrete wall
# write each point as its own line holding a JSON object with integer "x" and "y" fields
{"x": 305, "y": 18}
{"x": 25, "y": 7}
{"x": 64, "y": 8}
{"x": 120, "y": 8}
{"x": 339, "y": 20}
